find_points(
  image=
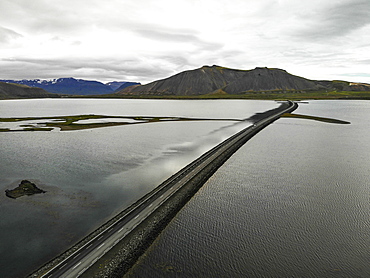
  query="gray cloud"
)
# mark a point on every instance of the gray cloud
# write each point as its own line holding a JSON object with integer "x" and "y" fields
{"x": 103, "y": 70}
{"x": 363, "y": 61}
{"x": 176, "y": 60}
{"x": 335, "y": 20}
{"x": 359, "y": 74}
{"x": 52, "y": 17}
{"x": 148, "y": 40}
{"x": 177, "y": 37}
{"x": 7, "y": 35}
{"x": 167, "y": 36}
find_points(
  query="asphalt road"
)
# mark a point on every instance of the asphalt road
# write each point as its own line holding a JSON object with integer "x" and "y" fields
{"x": 87, "y": 255}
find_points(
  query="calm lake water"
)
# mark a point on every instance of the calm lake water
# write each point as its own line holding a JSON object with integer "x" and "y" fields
{"x": 90, "y": 175}
{"x": 292, "y": 202}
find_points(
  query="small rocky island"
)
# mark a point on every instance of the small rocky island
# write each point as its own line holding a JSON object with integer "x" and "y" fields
{"x": 25, "y": 188}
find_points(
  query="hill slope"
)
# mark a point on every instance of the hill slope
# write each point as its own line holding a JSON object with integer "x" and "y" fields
{"x": 193, "y": 82}
{"x": 216, "y": 79}
{"x": 10, "y": 91}
{"x": 264, "y": 79}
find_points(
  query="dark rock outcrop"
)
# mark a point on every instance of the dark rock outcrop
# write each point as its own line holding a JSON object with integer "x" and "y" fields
{"x": 25, "y": 188}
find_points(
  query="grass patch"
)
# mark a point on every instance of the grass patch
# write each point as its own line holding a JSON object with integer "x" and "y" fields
{"x": 315, "y": 118}
{"x": 269, "y": 95}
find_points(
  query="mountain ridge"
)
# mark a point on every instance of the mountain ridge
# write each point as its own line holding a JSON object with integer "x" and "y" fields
{"x": 207, "y": 80}
{"x": 213, "y": 79}
{"x": 189, "y": 83}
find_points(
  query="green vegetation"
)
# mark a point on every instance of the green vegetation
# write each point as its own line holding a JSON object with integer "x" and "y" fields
{"x": 315, "y": 118}
{"x": 37, "y": 129}
{"x": 292, "y": 95}
{"x": 268, "y": 95}
{"x": 72, "y": 122}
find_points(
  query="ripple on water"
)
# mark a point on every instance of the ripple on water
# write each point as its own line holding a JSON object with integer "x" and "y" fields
{"x": 293, "y": 202}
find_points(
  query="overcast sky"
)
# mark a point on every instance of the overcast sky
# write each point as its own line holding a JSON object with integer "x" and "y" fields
{"x": 145, "y": 40}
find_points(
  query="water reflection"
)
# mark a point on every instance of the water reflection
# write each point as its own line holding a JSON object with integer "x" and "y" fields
{"x": 292, "y": 202}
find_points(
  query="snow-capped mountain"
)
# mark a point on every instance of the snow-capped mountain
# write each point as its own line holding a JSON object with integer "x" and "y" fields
{"x": 72, "y": 86}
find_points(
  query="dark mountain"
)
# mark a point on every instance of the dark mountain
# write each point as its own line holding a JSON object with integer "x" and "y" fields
{"x": 193, "y": 82}
{"x": 265, "y": 79}
{"x": 69, "y": 86}
{"x": 218, "y": 79}
{"x": 72, "y": 86}
{"x": 9, "y": 91}
{"x": 120, "y": 85}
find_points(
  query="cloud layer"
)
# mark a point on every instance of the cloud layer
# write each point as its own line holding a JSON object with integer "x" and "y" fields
{"x": 147, "y": 40}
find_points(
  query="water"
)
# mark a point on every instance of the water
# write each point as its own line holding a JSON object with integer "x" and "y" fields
{"x": 293, "y": 202}
{"x": 90, "y": 175}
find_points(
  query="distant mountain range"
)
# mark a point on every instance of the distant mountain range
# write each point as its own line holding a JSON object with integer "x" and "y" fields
{"x": 72, "y": 86}
{"x": 207, "y": 80}
{"x": 221, "y": 80}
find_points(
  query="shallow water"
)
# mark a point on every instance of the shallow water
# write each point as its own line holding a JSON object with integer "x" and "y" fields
{"x": 293, "y": 202}
{"x": 90, "y": 175}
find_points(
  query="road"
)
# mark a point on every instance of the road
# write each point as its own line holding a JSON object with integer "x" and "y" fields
{"x": 88, "y": 254}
